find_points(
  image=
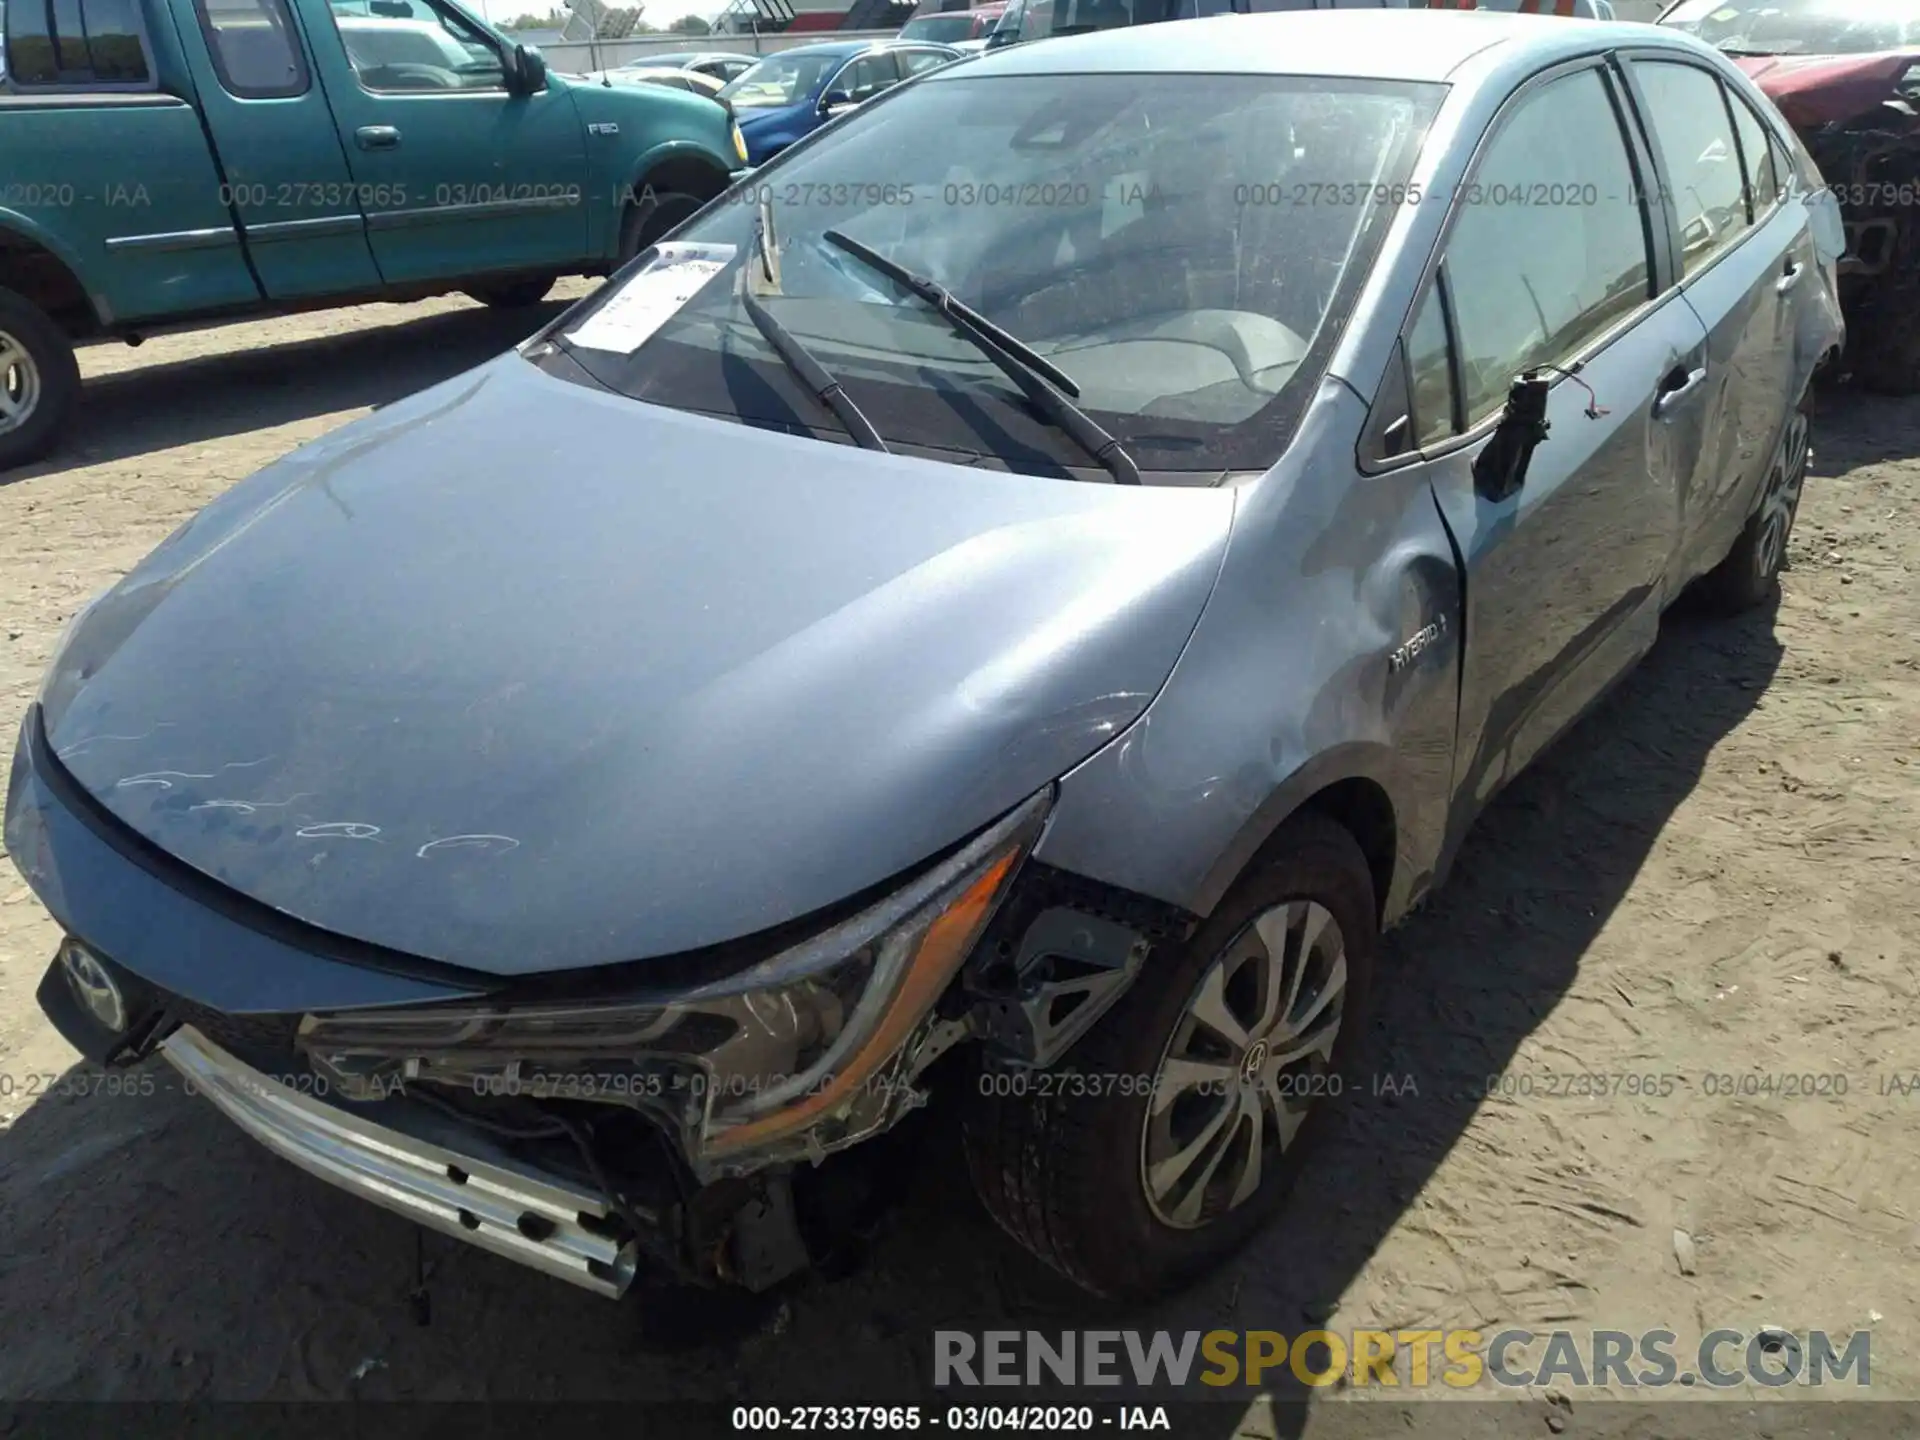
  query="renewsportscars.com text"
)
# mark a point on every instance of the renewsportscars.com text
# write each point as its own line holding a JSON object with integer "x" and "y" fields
{"x": 1410, "y": 1359}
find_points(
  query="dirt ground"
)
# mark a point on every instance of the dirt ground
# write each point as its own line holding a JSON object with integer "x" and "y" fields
{"x": 1712, "y": 880}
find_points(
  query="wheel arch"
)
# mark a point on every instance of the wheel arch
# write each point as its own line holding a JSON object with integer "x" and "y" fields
{"x": 1350, "y": 785}
{"x": 679, "y": 166}
{"x": 36, "y": 265}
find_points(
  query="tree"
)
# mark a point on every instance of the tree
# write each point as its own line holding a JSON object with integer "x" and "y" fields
{"x": 692, "y": 25}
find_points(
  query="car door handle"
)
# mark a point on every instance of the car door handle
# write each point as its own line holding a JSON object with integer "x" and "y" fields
{"x": 1678, "y": 384}
{"x": 377, "y": 137}
{"x": 1790, "y": 279}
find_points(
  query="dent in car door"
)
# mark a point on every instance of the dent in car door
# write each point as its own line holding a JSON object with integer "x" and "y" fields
{"x": 461, "y": 177}
{"x": 1547, "y": 264}
{"x": 286, "y": 176}
{"x": 1740, "y": 256}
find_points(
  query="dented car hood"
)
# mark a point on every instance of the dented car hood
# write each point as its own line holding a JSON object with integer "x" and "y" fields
{"x": 521, "y": 676}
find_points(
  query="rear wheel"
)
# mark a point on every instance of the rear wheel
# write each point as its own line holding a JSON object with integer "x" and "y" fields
{"x": 1192, "y": 1106}
{"x": 513, "y": 294}
{"x": 39, "y": 381}
{"x": 1747, "y": 576}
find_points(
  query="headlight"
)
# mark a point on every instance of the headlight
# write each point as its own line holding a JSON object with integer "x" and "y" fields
{"x": 805, "y": 1053}
{"x": 739, "y": 144}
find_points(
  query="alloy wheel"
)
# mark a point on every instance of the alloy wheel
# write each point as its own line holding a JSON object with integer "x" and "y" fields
{"x": 1251, "y": 1051}
{"x": 1782, "y": 498}
{"x": 19, "y": 384}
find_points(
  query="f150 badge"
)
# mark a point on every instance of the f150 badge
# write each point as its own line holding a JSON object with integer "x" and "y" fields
{"x": 1411, "y": 649}
{"x": 603, "y": 127}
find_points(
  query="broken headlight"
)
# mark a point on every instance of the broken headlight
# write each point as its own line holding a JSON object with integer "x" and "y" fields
{"x": 802, "y": 1054}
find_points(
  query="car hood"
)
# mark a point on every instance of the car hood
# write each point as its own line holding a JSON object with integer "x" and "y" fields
{"x": 1813, "y": 90}
{"x": 523, "y": 676}
{"x": 750, "y": 118}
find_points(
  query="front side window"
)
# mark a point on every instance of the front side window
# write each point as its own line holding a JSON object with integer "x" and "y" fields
{"x": 72, "y": 43}
{"x": 1687, "y": 111}
{"x": 863, "y": 79}
{"x": 779, "y": 81}
{"x": 1549, "y": 245}
{"x": 1430, "y": 368}
{"x": 1184, "y": 247}
{"x": 443, "y": 51}
{"x": 255, "y": 52}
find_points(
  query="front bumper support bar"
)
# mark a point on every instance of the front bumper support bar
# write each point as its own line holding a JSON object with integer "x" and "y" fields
{"x": 541, "y": 1221}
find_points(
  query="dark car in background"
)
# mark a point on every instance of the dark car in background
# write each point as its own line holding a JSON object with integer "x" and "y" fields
{"x": 1024, "y": 20}
{"x": 789, "y": 95}
{"x": 954, "y": 27}
{"x": 1846, "y": 75}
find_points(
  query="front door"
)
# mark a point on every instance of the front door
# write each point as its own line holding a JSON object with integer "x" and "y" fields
{"x": 1548, "y": 267}
{"x": 284, "y": 175}
{"x": 462, "y": 178}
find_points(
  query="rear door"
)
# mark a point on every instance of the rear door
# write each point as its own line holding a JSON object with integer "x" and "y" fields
{"x": 1740, "y": 255}
{"x": 461, "y": 178}
{"x": 1550, "y": 264}
{"x": 285, "y": 176}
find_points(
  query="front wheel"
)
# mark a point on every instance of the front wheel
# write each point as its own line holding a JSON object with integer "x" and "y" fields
{"x": 1746, "y": 577}
{"x": 1179, "y": 1124}
{"x": 652, "y": 215}
{"x": 39, "y": 381}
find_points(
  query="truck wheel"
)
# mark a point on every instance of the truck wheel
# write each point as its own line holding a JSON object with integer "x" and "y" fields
{"x": 39, "y": 381}
{"x": 1746, "y": 577}
{"x": 513, "y": 294}
{"x": 641, "y": 223}
{"x": 1206, "y": 1087}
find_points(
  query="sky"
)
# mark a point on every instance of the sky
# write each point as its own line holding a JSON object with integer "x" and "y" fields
{"x": 658, "y": 13}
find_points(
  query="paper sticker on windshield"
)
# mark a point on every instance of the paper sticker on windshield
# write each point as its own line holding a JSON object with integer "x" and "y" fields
{"x": 651, "y": 298}
{"x": 1723, "y": 14}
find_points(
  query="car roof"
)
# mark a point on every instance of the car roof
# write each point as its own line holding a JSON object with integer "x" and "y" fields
{"x": 1372, "y": 44}
{"x": 855, "y": 47}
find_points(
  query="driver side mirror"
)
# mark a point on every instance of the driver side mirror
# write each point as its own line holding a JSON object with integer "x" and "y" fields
{"x": 1502, "y": 467}
{"x": 526, "y": 70}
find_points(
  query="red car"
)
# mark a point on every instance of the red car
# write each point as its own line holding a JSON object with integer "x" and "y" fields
{"x": 1846, "y": 75}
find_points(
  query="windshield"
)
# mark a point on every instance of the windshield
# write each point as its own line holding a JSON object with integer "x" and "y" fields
{"x": 942, "y": 29}
{"x": 1182, "y": 246}
{"x": 780, "y": 80}
{"x": 1800, "y": 27}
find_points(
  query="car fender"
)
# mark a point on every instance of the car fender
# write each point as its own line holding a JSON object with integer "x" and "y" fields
{"x": 32, "y": 231}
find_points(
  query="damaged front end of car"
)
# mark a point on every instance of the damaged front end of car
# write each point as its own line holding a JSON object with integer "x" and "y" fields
{"x": 680, "y": 1134}
{"x": 1859, "y": 119}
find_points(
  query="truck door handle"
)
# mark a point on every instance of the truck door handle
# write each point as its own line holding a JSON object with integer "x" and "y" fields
{"x": 1791, "y": 278}
{"x": 1678, "y": 384}
{"x": 377, "y": 137}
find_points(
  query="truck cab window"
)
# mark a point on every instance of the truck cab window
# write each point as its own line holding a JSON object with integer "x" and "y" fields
{"x": 254, "y": 50}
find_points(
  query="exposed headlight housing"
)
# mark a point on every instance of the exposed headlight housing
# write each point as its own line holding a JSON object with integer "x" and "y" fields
{"x": 808, "y": 1052}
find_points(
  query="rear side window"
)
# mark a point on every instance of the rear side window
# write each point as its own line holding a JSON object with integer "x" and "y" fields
{"x": 70, "y": 43}
{"x": 254, "y": 50}
{"x": 915, "y": 61}
{"x": 1549, "y": 247}
{"x": 1757, "y": 154}
{"x": 1687, "y": 111}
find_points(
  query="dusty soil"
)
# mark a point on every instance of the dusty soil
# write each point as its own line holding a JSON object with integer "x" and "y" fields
{"x": 1712, "y": 880}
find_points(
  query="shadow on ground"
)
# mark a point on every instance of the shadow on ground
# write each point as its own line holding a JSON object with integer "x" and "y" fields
{"x": 155, "y": 407}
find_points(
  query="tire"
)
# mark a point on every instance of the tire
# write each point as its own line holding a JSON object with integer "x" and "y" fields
{"x": 513, "y": 294}
{"x": 1067, "y": 1173}
{"x": 641, "y": 224}
{"x": 1746, "y": 577}
{"x": 39, "y": 381}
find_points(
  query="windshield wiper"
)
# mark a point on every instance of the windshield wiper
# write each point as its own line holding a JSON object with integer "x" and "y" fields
{"x": 788, "y": 346}
{"x": 1040, "y": 380}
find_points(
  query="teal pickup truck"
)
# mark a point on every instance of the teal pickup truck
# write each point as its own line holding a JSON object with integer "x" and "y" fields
{"x": 175, "y": 162}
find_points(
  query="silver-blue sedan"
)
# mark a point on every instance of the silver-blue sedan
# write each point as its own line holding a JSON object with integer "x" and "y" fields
{"x": 1011, "y": 600}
